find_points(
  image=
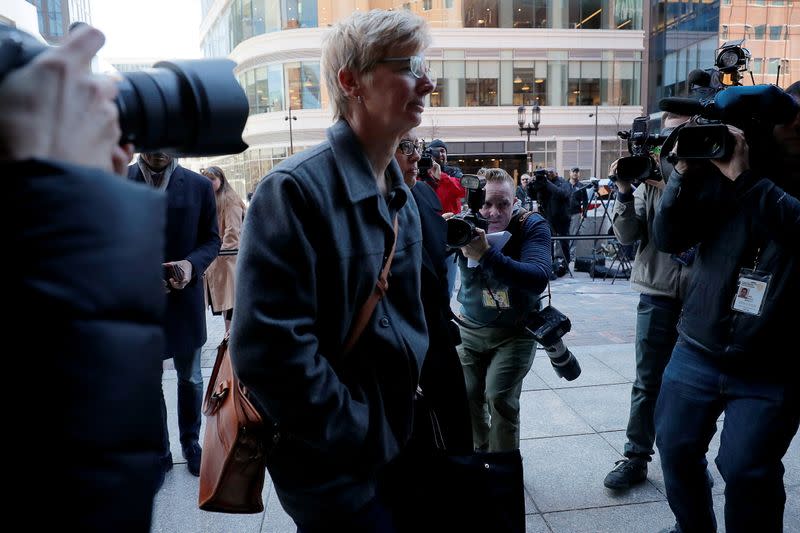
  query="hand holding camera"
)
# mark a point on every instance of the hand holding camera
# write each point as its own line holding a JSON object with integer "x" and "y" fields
{"x": 477, "y": 246}
{"x": 55, "y": 108}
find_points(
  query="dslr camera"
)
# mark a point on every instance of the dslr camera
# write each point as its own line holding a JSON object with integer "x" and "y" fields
{"x": 425, "y": 163}
{"x": 547, "y": 326}
{"x": 722, "y": 101}
{"x": 186, "y": 108}
{"x": 639, "y": 166}
{"x": 461, "y": 227}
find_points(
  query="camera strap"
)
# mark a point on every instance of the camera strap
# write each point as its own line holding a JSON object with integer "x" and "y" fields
{"x": 378, "y": 292}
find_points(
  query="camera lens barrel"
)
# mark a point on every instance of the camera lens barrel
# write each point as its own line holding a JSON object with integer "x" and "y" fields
{"x": 459, "y": 232}
{"x": 188, "y": 108}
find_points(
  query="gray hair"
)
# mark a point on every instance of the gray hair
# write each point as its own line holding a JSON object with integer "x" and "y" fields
{"x": 359, "y": 41}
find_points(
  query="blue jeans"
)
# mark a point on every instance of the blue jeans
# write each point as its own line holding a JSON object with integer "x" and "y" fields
{"x": 656, "y": 333}
{"x": 190, "y": 400}
{"x": 761, "y": 418}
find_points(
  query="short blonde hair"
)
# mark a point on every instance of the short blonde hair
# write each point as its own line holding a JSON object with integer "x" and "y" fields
{"x": 498, "y": 175}
{"x": 358, "y": 42}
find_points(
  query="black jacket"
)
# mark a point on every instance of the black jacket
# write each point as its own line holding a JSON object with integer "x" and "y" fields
{"x": 442, "y": 378}
{"x": 737, "y": 223}
{"x": 192, "y": 234}
{"x": 553, "y": 197}
{"x": 88, "y": 304}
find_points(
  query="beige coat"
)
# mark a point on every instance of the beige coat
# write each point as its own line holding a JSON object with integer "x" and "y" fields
{"x": 219, "y": 277}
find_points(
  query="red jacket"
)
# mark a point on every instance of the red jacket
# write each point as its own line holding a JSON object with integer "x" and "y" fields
{"x": 450, "y": 193}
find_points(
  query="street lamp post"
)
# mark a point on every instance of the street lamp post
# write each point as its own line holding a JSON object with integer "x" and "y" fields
{"x": 290, "y": 118}
{"x": 594, "y": 157}
{"x": 528, "y": 127}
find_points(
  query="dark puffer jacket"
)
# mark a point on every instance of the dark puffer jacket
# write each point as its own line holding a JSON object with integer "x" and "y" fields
{"x": 86, "y": 274}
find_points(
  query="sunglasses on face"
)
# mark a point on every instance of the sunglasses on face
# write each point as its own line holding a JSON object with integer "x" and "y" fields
{"x": 407, "y": 147}
{"x": 416, "y": 64}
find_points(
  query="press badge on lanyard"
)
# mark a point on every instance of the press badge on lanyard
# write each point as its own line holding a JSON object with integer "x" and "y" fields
{"x": 751, "y": 290}
{"x": 497, "y": 299}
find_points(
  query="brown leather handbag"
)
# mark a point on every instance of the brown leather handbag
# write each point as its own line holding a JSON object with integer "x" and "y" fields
{"x": 234, "y": 461}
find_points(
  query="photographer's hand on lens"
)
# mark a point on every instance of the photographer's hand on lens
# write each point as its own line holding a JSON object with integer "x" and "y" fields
{"x": 477, "y": 247}
{"x": 739, "y": 162}
{"x": 55, "y": 108}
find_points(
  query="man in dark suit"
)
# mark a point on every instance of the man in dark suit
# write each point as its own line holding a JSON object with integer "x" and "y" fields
{"x": 192, "y": 242}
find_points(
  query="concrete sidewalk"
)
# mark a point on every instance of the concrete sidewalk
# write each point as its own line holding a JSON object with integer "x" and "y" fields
{"x": 572, "y": 432}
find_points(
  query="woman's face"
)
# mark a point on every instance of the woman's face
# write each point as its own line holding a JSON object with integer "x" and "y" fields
{"x": 215, "y": 181}
{"x": 408, "y": 163}
{"x": 393, "y": 97}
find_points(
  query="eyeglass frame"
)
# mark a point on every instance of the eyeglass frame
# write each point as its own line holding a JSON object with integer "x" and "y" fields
{"x": 414, "y": 148}
{"x": 426, "y": 70}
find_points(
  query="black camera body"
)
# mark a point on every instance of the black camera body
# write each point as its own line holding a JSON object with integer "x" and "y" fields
{"x": 424, "y": 164}
{"x": 185, "y": 108}
{"x": 639, "y": 166}
{"x": 461, "y": 227}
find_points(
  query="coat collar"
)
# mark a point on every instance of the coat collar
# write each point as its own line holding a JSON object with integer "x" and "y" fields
{"x": 352, "y": 164}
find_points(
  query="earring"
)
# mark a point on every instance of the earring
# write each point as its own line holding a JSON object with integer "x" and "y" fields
{"x": 359, "y": 99}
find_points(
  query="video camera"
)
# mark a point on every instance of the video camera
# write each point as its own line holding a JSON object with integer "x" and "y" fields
{"x": 721, "y": 101}
{"x": 639, "y": 166}
{"x": 461, "y": 227}
{"x": 186, "y": 108}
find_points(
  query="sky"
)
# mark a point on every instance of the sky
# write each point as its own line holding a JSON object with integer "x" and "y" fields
{"x": 156, "y": 29}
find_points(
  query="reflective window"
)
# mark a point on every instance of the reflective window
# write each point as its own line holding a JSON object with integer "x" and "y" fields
{"x": 776, "y": 33}
{"x": 481, "y": 83}
{"x": 302, "y": 85}
{"x": 529, "y": 13}
{"x": 543, "y": 153}
{"x": 299, "y": 13}
{"x": 583, "y": 87}
{"x": 588, "y": 14}
{"x": 772, "y": 65}
{"x": 481, "y": 14}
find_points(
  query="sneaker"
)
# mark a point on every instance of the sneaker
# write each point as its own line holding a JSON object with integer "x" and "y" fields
{"x": 193, "y": 454}
{"x": 626, "y": 473}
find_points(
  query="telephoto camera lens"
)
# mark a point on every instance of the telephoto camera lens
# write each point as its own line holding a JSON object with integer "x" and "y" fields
{"x": 564, "y": 363}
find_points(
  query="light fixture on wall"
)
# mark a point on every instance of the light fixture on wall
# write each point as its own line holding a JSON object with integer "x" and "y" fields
{"x": 517, "y": 80}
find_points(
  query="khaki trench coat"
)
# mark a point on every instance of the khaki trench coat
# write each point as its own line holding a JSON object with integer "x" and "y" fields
{"x": 219, "y": 277}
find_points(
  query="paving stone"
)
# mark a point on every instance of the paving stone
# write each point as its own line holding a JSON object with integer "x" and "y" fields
{"x": 605, "y": 408}
{"x": 547, "y": 415}
{"x": 566, "y": 473}
{"x": 634, "y": 518}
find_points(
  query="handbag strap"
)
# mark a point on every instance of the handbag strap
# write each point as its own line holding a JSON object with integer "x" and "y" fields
{"x": 381, "y": 286}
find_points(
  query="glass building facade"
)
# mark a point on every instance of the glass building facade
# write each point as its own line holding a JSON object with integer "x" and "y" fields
{"x": 530, "y": 68}
{"x": 243, "y": 19}
{"x": 683, "y": 37}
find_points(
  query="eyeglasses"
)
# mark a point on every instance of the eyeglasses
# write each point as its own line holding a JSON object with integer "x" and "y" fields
{"x": 417, "y": 66}
{"x": 407, "y": 147}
